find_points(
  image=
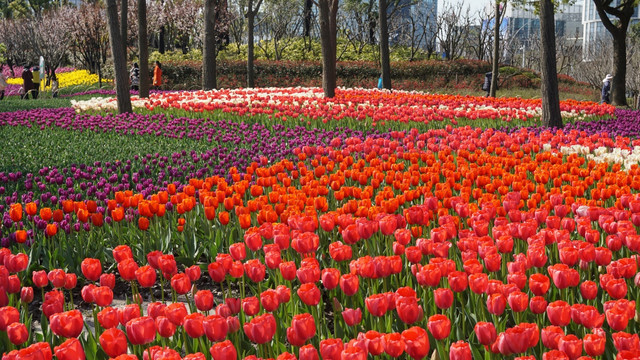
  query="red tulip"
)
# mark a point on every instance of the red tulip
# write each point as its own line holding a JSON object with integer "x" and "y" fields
{"x": 594, "y": 344}
{"x": 625, "y": 341}
{"x": 70, "y": 350}
{"x": 127, "y": 269}
{"x": 146, "y": 276}
{"x": 193, "y": 325}
{"x": 539, "y": 284}
{"x": 485, "y": 332}
{"x": 203, "y": 300}
{"x": 17, "y": 333}
{"x": 113, "y": 342}
{"x": 165, "y": 327}
{"x": 616, "y": 288}
{"x": 394, "y": 344}
{"x": 352, "y": 317}
{"x": 67, "y": 324}
{"x": 309, "y": 294}
{"x": 377, "y": 304}
{"x": 127, "y": 313}
{"x": 108, "y": 318}
{"x": 439, "y": 326}
{"x": 496, "y": 303}
{"x": 223, "y": 351}
{"x": 141, "y": 330}
{"x": 250, "y": 305}
{"x": 457, "y": 281}
{"x": 122, "y": 252}
{"x": 238, "y": 251}
{"x": 570, "y": 345}
{"x": 40, "y": 278}
{"x": 57, "y": 278}
{"x": 617, "y": 318}
{"x": 255, "y": 270}
{"x": 416, "y": 342}
{"x": 91, "y": 269}
{"x": 269, "y": 300}
{"x": 555, "y": 355}
{"x": 8, "y": 316}
{"x": 349, "y": 284}
{"x": 261, "y": 329}
{"x": 559, "y": 313}
{"x": 108, "y": 280}
{"x": 550, "y": 336}
{"x": 181, "y": 283}
{"x": 176, "y": 313}
{"x": 460, "y": 350}
{"x": 408, "y": 309}
{"x": 443, "y": 298}
{"x": 304, "y": 325}
{"x": 308, "y": 352}
{"x": 215, "y": 327}
{"x": 26, "y": 295}
{"x": 589, "y": 290}
{"x": 518, "y": 301}
{"x": 288, "y": 270}
{"x": 284, "y": 294}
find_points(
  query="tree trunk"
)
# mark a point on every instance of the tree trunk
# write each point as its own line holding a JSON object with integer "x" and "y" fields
{"x": 250, "y": 45}
{"x": 124, "y": 7}
{"x": 618, "y": 83}
{"x": 161, "y": 46}
{"x": 119, "y": 61}
{"x": 307, "y": 18}
{"x": 328, "y": 50}
{"x": 550, "y": 98}
{"x": 209, "y": 47}
{"x": 143, "y": 49}
{"x": 496, "y": 51}
{"x": 384, "y": 44}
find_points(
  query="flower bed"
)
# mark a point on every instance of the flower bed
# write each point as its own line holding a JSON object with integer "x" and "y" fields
{"x": 361, "y": 105}
{"x": 345, "y": 247}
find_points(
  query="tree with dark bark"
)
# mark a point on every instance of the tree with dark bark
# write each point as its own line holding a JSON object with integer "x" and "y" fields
{"x": 209, "y": 47}
{"x": 143, "y": 49}
{"x": 119, "y": 61}
{"x": 385, "y": 61}
{"x": 497, "y": 20}
{"x": 328, "y": 12}
{"x": 124, "y": 23}
{"x": 622, "y": 10}
{"x": 250, "y": 14}
{"x": 551, "y": 116}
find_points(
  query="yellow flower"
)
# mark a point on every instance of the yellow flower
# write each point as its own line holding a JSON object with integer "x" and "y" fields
{"x": 66, "y": 79}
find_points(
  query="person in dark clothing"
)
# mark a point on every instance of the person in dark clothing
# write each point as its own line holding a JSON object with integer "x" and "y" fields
{"x": 27, "y": 78}
{"x": 605, "y": 95}
{"x": 134, "y": 76}
{"x": 486, "y": 86}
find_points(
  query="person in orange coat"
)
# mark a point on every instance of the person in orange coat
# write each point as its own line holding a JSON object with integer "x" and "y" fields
{"x": 157, "y": 75}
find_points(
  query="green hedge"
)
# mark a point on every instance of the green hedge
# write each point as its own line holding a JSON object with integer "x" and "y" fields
{"x": 186, "y": 74}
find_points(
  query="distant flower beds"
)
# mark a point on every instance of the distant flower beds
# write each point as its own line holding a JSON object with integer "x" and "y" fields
{"x": 363, "y": 105}
{"x": 65, "y": 79}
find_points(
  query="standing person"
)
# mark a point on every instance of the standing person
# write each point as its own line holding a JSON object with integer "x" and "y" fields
{"x": 27, "y": 82}
{"x": 36, "y": 81}
{"x": 486, "y": 86}
{"x": 3, "y": 83}
{"x": 54, "y": 85}
{"x": 134, "y": 76}
{"x": 606, "y": 90}
{"x": 157, "y": 75}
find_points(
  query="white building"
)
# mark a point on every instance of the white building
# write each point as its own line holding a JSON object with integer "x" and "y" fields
{"x": 593, "y": 28}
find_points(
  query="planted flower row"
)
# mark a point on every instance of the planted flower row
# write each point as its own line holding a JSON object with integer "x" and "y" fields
{"x": 365, "y": 246}
{"x": 357, "y": 106}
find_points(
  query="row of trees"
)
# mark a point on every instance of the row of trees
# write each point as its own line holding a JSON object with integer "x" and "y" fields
{"x": 181, "y": 23}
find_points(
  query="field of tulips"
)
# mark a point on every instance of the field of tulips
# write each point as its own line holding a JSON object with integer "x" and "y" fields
{"x": 67, "y": 78}
{"x": 353, "y": 107}
{"x": 156, "y": 236}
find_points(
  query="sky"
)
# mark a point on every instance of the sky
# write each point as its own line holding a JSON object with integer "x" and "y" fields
{"x": 474, "y": 5}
